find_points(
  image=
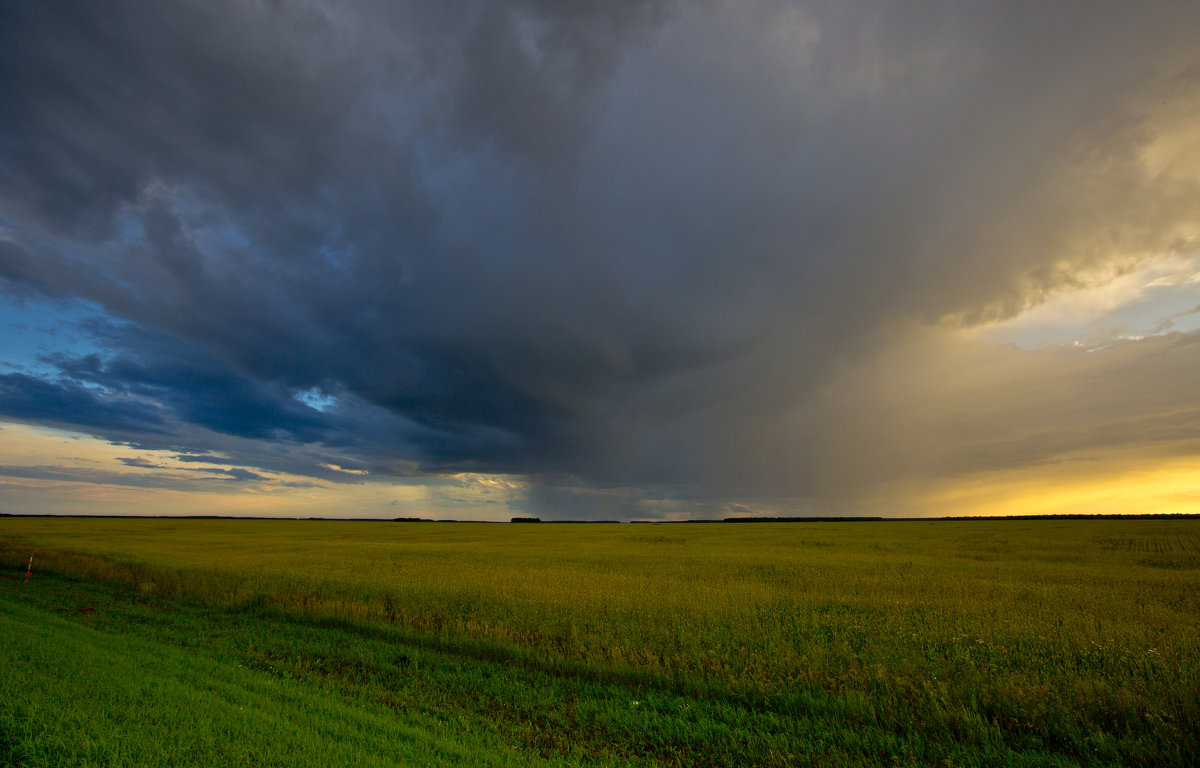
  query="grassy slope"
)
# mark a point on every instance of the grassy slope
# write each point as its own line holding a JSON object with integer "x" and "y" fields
{"x": 978, "y": 643}
{"x": 107, "y": 677}
{"x": 78, "y": 696}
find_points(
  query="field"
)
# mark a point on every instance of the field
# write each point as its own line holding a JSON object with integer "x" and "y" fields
{"x": 951, "y": 643}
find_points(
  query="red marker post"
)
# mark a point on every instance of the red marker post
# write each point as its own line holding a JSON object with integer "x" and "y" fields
{"x": 29, "y": 569}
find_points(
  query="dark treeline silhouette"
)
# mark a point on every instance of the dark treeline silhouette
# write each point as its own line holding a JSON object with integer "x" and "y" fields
{"x": 806, "y": 519}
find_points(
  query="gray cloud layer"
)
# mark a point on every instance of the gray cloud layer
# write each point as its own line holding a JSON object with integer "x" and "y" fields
{"x": 623, "y": 244}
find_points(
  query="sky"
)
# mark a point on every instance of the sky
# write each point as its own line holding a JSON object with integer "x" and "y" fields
{"x": 632, "y": 259}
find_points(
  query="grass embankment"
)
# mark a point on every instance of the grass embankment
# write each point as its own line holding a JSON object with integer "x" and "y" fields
{"x": 977, "y": 643}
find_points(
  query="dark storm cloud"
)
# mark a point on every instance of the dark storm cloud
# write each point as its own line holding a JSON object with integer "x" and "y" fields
{"x": 325, "y": 293}
{"x": 203, "y": 458}
{"x": 77, "y": 474}
{"x": 104, "y": 99}
{"x": 139, "y": 462}
{"x": 616, "y": 243}
{"x": 235, "y": 473}
{"x": 28, "y": 398}
{"x": 196, "y": 388}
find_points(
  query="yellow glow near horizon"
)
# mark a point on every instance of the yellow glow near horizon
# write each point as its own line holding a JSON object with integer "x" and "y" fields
{"x": 73, "y": 473}
{"x": 1115, "y": 486}
{"x": 27, "y": 446}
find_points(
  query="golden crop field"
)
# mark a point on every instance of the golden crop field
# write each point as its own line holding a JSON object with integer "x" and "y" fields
{"x": 1027, "y": 642}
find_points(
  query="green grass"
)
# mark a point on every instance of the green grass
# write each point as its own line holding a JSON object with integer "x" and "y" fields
{"x": 944, "y": 643}
{"x": 81, "y": 697}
